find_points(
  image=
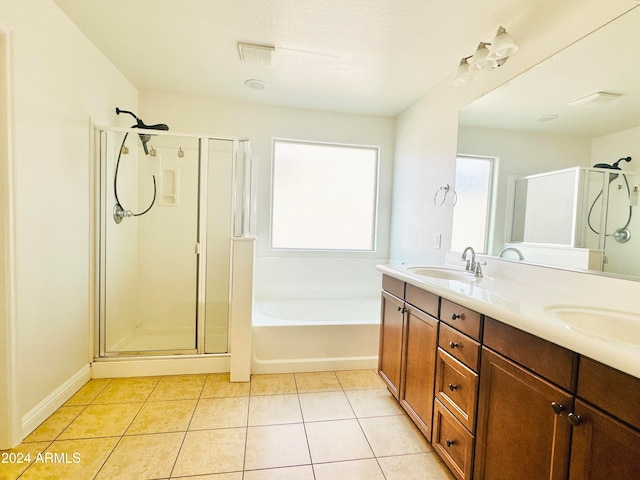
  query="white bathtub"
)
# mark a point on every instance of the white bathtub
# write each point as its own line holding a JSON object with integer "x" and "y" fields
{"x": 315, "y": 334}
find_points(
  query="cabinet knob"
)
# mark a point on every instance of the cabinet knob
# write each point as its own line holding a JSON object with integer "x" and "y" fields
{"x": 399, "y": 309}
{"x": 453, "y": 344}
{"x": 574, "y": 419}
{"x": 455, "y": 316}
{"x": 450, "y": 442}
{"x": 452, "y": 387}
{"x": 557, "y": 408}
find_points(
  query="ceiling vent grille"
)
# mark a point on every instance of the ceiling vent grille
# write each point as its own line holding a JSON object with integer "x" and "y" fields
{"x": 594, "y": 99}
{"x": 255, "y": 54}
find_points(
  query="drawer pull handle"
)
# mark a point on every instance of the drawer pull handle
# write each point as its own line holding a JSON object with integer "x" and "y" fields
{"x": 455, "y": 316}
{"x": 450, "y": 442}
{"x": 557, "y": 408}
{"x": 452, "y": 387}
{"x": 574, "y": 419}
{"x": 453, "y": 344}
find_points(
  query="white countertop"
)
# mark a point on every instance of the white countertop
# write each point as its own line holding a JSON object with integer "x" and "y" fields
{"x": 522, "y": 303}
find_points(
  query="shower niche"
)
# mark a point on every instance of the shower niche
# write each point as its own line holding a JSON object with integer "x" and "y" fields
{"x": 577, "y": 217}
{"x": 170, "y": 208}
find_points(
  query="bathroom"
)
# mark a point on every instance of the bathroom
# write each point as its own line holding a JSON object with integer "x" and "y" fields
{"x": 48, "y": 286}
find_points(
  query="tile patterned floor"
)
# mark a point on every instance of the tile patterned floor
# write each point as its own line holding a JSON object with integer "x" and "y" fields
{"x": 340, "y": 425}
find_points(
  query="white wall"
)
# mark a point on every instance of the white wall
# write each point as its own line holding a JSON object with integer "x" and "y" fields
{"x": 60, "y": 81}
{"x": 426, "y": 138}
{"x": 277, "y": 272}
{"x": 521, "y": 153}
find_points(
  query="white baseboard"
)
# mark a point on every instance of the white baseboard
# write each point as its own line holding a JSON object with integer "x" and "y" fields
{"x": 32, "y": 419}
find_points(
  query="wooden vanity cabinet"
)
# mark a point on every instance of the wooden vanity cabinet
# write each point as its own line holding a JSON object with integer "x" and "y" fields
{"x": 391, "y": 342}
{"x": 408, "y": 342}
{"x": 606, "y": 419}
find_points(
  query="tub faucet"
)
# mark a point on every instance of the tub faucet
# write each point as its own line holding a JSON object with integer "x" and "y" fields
{"x": 471, "y": 264}
{"x": 512, "y": 249}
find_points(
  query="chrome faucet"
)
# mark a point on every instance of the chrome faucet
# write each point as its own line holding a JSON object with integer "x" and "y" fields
{"x": 512, "y": 249}
{"x": 471, "y": 264}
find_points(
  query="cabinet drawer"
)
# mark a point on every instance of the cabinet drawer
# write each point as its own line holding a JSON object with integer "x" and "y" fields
{"x": 547, "y": 359}
{"x": 460, "y": 346}
{"x": 425, "y": 301}
{"x": 610, "y": 389}
{"x": 457, "y": 388}
{"x": 461, "y": 318}
{"x": 393, "y": 286}
{"x": 452, "y": 442}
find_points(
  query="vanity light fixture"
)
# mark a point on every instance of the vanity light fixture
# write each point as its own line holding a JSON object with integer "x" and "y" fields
{"x": 487, "y": 55}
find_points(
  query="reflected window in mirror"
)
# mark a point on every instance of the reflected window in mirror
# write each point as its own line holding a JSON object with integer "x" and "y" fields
{"x": 472, "y": 212}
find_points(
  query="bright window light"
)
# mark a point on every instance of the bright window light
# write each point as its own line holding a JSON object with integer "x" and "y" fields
{"x": 324, "y": 196}
{"x": 471, "y": 214}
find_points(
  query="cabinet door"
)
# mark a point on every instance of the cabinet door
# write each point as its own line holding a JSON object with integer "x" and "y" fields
{"x": 603, "y": 448}
{"x": 391, "y": 331}
{"x": 518, "y": 433}
{"x": 416, "y": 396}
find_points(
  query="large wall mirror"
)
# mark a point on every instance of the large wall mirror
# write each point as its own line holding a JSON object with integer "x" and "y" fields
{"x": 547, "y": 129}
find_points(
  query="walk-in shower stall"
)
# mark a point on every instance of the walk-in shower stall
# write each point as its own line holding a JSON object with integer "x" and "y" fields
{"x": 170, "y": 208}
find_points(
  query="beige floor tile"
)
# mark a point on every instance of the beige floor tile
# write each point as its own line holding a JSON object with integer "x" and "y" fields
{"x": 76, "y": 459}
{"x": 19, "y": 458}
{"x": 218, "y": 385}
{"x": 352, "y": 470}
{"x": 142, "y": 456}
{"x": 373, "y": 402}
{"x": 357, "y": 379}
{"x": 304, "y": 472}
{"x": 216, "y": 476}
{"x": 220, "y": 413}
{"x": 273, "y": 384}
{"x": 211, "y": 451}
{"x": 89, "y": 391}
{"x": 55, "y": 424}
{"x": 423, "y": 466}
{"x": 337, "y": 441}
{"x": 179, "y": 387}
{"x": 274, "y": 409}
{"x": 317, "y": 382}
{"x": 276, "y": 446}
{"x": 395, "y": 435}
{"x": 122, "y": 390}
{"x": 325, "y": 406}
{"x": 163, "y": 417}
{"x": 102, "y": 421}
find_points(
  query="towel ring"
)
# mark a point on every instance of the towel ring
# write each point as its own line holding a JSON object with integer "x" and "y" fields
{"x": 445, "y": 190}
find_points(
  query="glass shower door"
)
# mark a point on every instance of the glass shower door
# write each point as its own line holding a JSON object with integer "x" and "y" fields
{"x": 149, "y": 263}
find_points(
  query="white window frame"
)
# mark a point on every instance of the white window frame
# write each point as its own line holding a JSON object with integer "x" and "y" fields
{"x": 375, "y": 207}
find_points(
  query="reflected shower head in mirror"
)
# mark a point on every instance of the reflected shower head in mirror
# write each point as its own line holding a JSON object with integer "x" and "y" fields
{"x": 144, "y": 137}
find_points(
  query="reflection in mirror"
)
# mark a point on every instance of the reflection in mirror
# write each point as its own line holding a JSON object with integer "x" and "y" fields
{"x": 577, "y": 109}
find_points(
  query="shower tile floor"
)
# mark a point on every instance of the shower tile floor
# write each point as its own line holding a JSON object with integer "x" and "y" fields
{"x": 340, "y": 425}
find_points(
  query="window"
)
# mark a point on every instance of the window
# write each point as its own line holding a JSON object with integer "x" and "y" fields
{"x": 471, "y": 213}
{"x": 324, "y": 196}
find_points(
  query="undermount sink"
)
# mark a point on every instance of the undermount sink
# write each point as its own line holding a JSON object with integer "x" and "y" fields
{"x": 604, "y": 322}
{"x": 443, "y": 273}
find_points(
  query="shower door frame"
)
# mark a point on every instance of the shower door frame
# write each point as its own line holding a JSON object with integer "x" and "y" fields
{"x": 200, "y": 248}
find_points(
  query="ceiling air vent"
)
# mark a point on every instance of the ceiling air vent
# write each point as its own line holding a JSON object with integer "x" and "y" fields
{"x": 594, "y": 99}
{"x": 255, "y": 54}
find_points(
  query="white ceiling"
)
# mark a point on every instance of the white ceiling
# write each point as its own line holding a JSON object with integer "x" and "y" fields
{"x": 604, "y": 61}
{"x": 361, "y": 56}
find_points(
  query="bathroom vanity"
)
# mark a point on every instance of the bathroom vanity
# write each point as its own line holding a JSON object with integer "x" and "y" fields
{"x": 475, "y": 364}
